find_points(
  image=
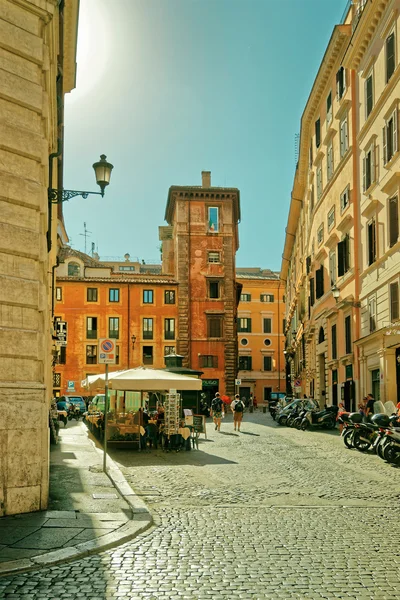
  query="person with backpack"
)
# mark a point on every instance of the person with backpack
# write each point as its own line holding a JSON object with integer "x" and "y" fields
{"x": 237, "y": 407}
{"x": 217, "y": 410}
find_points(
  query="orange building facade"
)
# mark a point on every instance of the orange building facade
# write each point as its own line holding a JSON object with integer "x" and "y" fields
{"x": 96, "y": 301}
{"x": 260, "y": 325}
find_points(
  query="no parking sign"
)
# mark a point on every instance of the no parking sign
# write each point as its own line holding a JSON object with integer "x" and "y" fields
{"x": 107, "y": 352}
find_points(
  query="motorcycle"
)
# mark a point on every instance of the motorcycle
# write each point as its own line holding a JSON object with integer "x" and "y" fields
{"x": 282, "y": 416}
{"x": 74, "y": 412}
{"x": 349, "y": 421}
{"x": 323, "y": 419}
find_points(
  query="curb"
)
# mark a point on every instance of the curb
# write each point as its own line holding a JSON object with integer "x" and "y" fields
{"x": 141, "y": 521}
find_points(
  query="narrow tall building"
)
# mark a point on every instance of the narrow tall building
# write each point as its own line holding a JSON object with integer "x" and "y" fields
{"x": 199, "y": 249}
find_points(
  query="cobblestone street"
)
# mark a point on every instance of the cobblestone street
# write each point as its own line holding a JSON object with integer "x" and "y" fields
{"x": 268, "y": 513}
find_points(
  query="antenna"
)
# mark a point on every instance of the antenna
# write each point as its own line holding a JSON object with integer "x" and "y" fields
{"x": 85, "y": 234}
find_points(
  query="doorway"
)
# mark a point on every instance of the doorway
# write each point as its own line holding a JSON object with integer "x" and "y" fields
{"x": 267, "y": 393}
{"x": 348, "y": 396}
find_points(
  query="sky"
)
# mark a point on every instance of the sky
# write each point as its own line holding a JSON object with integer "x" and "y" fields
{"x": 169, "y": 88}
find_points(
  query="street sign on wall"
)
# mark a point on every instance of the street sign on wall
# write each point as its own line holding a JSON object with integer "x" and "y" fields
{"x": 238, "y": 382}
{"x": 61, "y": 333}
{"x": 107, "y": 352}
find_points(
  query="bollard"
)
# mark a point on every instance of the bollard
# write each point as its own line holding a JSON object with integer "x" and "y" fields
{"x": 264, "y": 409}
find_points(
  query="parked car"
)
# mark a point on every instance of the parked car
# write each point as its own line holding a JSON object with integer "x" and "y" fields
{"x": 76, "y": 400}
{"x": 98, "y": 403}
{"x": 62, "y": 404}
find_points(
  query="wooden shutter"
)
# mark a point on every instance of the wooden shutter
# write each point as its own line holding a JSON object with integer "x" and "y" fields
{"x": 341, "y": 253}
{"x": 384, "y": 141}
{"x": 371, "y": 243}
{"x": 395, "y": 143}
{"x": 368, "y": 95}
{"x": 346, "y": 136}
{"x": 373, "y": 163}
{"x": 347, "y": 329}
{"x": 312, "y": 292}
{"x": 346, "y": 253}
{"x": 334, "y": 342}
{"x": 364, "y": 173}
{"x": 394, "y": 301}
{"x": 319, "y": 282}
{"x": 393, "y": 221}
{"x": 390, "y": 58}
{"x": 308, "y": 264}
{"x": 317, "y": 133}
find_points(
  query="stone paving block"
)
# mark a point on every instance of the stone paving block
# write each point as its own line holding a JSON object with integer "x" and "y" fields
{"x": 12, "y": 535}
{"x": 49, "y": 538}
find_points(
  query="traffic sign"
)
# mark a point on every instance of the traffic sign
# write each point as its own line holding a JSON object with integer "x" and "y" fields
{"x": 61, "y": 333}
{"x": 107, "y": 352}
{"x": 238, "y": 382}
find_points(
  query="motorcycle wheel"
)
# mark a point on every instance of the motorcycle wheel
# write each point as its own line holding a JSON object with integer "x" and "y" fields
{"x": 389, "y": 453}
{"x": 348, "y": 439}
{"x": 282, "y": 420}
{"x": 290, "y": 422}
{"x": 331, "y": 424}
{"x": 379, "y": 447}
{"x": 297, "y": 423}
{"x": 360, "y": 444}
{"x": 69, "y": 417}
{"x": 305, "y": 424}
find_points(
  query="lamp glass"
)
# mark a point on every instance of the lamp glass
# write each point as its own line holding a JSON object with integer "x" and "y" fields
{"x": 335, "y": 291}
{"x": 102, "y": 170}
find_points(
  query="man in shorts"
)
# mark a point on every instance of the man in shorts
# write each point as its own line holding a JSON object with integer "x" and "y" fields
{"x": 217, "y": 410}
{"x": 237, "y": 407}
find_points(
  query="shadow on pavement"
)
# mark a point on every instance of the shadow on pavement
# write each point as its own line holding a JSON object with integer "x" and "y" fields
{"x": 249, "y": 433}
{"x": 228, "y": 433}
{"x": 196, "y": 458}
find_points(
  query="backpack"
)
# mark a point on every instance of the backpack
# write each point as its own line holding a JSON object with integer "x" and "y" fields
{"x": 216, "y": 404}
{"x": 239, "y": 406}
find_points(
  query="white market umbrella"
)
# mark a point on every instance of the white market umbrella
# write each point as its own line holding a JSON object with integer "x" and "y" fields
{"x": 152, "y": 380}
{"x": 98, "y": 381}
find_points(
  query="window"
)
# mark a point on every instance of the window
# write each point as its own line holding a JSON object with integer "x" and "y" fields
{"x": 58, "y": 293}
{"x": 340, "y": 83}
{"x": 319, "y": 182}
{"x": 169, "y": 350}
{"x": 371, "y": 240}
{"x": 148, "y": 296}
{"x": 390, "y": 56}
{"x": 320, "y": 234}
{"x": 244, "y": 342}
{"x": 321, "y": 335}
{"x": 113, "y": 295}
{"x": 91, "y": 355}
{"x": 245, "y": 297}
{"x": 394, "y": 301}
{"x": 310, "y": 156}
{"x": 312, "y": 292}
{"x": 62, "y": 357}
{"x": 329, "y": 160}
{"x": 312, "y": 198}
{"x": 244, "y": 325}
{"x": 393, "y": 221}
{"x": 369, "y": 167}
{"x": 56, "y": 380}
{"x": 344, "y": 137}
{"x": 147, "y": 329}
{"x": 267, "y": 363}
{"x": 376, "y": 384}
{"x": 329, "y": 108}
{"x": 344, "y": 256}
{"x": 267, "y": 325}
{"x": 208, "y": 362}
{"x": 147, "y": 355}
{"x": 169, "y": 329}
{"x": 113, "y": 327}
{"x": 125, "y": 268}
{"x": 372, "y": 313}
{"x": 74, "y": 269}
{"x": 214, "y": 257}
{"x": 91, "y": 328}
{"x": 319, "y": 282}
{"x": 333, "y": 342}
{"x": 344, "y": 199}
{"x": 318, "y": 133}
{"x": 347, "y": 333}
{"x": 332, "y": 267}
{"x": 214, "y": 327}
{"x": 117, "y": 355}
{"x": 267, "y": 342}
{"x": 213, "y": 219}
{"x": 169, "y": 297}
{"x": 266, "y": 298}
{"x": 331, "y": 218}
{"x": 245, "y": 363}
{"x": 214, "y": 289}
{"x": 91, "y": 294}
{"x": 369, "y": 96}
{"x": 390, "y": 145}
{"x": 308, "y": 265}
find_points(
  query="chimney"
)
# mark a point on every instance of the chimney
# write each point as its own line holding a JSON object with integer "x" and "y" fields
{"x": 206, "y": 179}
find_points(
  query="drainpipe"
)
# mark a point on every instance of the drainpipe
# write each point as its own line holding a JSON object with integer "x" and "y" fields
{"x": 356, "y": 212}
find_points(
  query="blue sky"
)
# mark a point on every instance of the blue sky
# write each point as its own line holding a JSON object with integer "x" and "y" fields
{"x": 168, "y": 88}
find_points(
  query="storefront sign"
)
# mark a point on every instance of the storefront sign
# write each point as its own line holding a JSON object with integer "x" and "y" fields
{"x": 210, "y": 383}
{"x": 61, "y": 333}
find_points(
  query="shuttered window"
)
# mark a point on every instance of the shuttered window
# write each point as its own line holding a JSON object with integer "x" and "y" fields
{"x": 267, "y": 325}
{"x": 394, "y": 302}
{"x": 343, "y": 256}
{"x": 318, "y": 133}
{"x": 390, "y": 56}
{"x": 333, "y": 342}
{"x": 312, "y": 292}
{"x": 371, "y": 233}
{"x": 340, "y": 83}
{"x": 347, "y": 332}
{"x": 393, "y": 221}
{"x": 369, "y": 167}
{"x": 369, "y": 98}
{"x": 308, "y": 264}
{"x": 390, "y": 137}
{"x": 244, "y": 325}
{"x": 344, "y": 137}
{"x": 319, "y": 282}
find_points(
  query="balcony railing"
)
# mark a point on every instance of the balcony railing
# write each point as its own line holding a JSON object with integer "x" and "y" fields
{"x": 358, "y": 10}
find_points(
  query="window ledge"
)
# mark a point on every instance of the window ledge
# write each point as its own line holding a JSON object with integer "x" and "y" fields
{"x": 345, "y": 223}
{"x": 318, "y": 157}
{"x": 393, "y": 159}
{"x": 344, "y": 107}
{"x": 330, "y": 133}
{"x": 392, "y": 183}
{"x": 372, "y": 207}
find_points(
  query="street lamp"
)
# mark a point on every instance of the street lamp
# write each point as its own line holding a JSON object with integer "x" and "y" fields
{"x": 102, "y": 170}
{"x": 133, "y": 339}
{"x": 335, "y": 292}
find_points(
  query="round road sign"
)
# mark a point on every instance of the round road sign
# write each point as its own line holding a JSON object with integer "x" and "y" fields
{"x": 107, "y": 346}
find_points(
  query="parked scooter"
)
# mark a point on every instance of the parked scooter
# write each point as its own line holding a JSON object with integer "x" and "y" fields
{"x": 323, "y": 419}
{"x": 282, "y": 416}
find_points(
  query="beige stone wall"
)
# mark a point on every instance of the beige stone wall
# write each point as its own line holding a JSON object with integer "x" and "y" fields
{"x": 28, "y": 47}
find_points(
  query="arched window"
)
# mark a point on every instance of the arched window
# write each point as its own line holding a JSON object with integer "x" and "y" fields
{"x": 321, "y": 335}
{"x": 74, "y": 269}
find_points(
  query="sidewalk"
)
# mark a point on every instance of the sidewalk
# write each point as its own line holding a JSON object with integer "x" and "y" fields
{"x": 88, "y": 512}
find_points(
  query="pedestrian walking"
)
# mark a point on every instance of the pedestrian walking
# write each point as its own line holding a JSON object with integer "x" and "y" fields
{"x": 237, "y": 407}
{"x": 217, "y": 411}
{"x": 255, "y": 402}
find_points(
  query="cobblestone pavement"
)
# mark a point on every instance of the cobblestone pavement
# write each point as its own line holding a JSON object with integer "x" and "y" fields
{"x": 268, "y": 513}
